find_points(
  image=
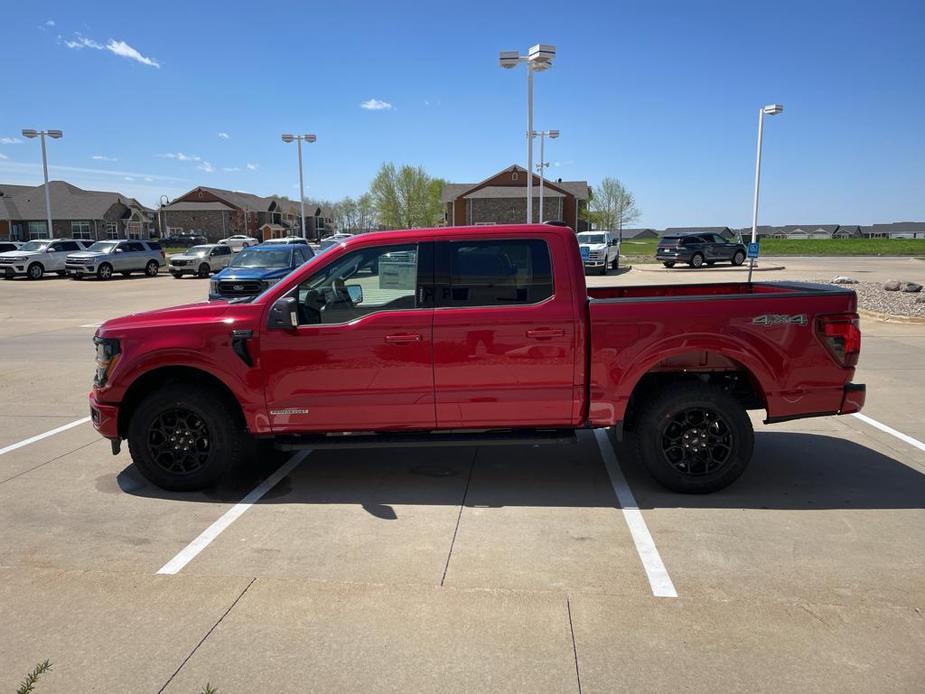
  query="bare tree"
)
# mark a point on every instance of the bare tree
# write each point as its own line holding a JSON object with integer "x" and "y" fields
{"x": 612, "y": 206}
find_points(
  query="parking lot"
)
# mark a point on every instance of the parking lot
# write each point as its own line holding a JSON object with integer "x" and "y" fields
{"x": 456, "y": 569}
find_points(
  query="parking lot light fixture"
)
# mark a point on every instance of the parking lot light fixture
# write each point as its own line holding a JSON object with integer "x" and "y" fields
{"x": 55, "y": 135}
{"x": 287, "y": 138}
{"x": 538, "y": 59}
{"x": 769, "y": 110}
{"x": 541, "y": 167}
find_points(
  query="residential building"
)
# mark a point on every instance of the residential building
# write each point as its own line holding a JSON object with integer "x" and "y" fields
{"x": 634, "y": 234}
{"x": 502, "y": 199}
{"x": 897, "y": 230}
{"x": 76, "y": 213}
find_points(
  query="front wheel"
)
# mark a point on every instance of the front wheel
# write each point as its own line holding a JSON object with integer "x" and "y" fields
{"x": 203, "y": 270}
{"x": 694, "y": 438}
{"x": 176, "y": 275}
{"x": 151, "y": 268}
{"x": 35, "y": 271}
{"x": 697, "y": 261}
{"x": 738, "y": 258}
{"x": 104, "y": 271}
{"x": 185, "y": 437}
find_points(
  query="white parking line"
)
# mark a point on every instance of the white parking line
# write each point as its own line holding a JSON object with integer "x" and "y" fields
{"x": 188, "y": 553}
{"x": 39, "y": 437}
{"x": 891, "y": 431}
{"x": 659, "y": 580}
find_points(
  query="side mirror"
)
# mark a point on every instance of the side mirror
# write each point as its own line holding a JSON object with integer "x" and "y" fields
{"x": 355, "y": 292}
{"x": 119, "y": 250}
{"x": 284, "y": 314}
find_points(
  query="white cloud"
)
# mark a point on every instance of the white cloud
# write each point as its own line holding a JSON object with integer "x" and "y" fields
{"x": 252, "y": 167}
{"x": 231, "y": 168}
{"x": 10, "y": 141}
{"x": 179, "y": 156}
{"x": 102, "y": 157}
{"x": 120, "y": 48}
{"x": 3, "y": 156}
{"x": 129, "y": 178}
{"x": 50, "y": 23}
{"x": 148, "y": 179}
{"x": 207, "y": 167}
{"x": 224, "y": 136}
{"x": 376, "y": 105}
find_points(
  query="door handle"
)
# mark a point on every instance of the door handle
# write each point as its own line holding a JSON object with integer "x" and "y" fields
{"x": 403, "y": 338}
{"x": 545, "y": 333}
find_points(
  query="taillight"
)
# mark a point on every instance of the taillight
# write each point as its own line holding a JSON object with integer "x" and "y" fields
{"x": 841, "y": 335}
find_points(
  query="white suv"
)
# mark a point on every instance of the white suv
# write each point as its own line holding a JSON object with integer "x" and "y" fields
{"x": 600, "y": 250}
{"x": 35, "y": 258}
{"x": 200, "y": 260}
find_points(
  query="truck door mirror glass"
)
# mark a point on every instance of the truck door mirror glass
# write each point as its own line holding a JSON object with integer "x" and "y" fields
{"x": 119, "y": 250}
{"x": 284, "y": 314}
{"x": 355, "y": 292}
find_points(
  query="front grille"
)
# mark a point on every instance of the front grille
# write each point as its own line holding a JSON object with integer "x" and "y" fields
{"x": 78, "y": 261}
{"x": 240, "y": 287}
{"x": 10, "y": 261}
{"x": 179, "y": 263}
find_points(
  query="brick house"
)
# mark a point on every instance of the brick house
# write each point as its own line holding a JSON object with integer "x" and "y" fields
{"x": 218, "y": 213}
{"x": 76, "y": 213}
{"x": 502, "y": 199}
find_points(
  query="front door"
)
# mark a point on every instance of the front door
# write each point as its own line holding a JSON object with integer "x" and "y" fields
{"x": 362, "y": 356}
{"x": 504, "y": 340}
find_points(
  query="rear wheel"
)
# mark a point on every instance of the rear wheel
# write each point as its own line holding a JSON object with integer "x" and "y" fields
{"x": 615, "y": 265}
{"x": 697, "y": 260}
{"x": 668, "y": 263}
{"x": 694, "y": 438}
{"x": 104, "y": 271}
{"x": 35, "y": 271}
{"x": 738, "y": 258}
{"x": 185, "y": 437}
{"x": 151, "y": 268}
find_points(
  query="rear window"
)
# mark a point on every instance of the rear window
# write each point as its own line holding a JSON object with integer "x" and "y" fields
{"x": 499, "y": 273}
{"x": 154, "y": 245}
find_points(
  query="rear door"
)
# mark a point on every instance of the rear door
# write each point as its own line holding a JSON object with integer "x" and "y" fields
{"x": 504, "y": 334}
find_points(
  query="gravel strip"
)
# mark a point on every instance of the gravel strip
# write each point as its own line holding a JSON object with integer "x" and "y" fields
{"x": 872, "y": 297}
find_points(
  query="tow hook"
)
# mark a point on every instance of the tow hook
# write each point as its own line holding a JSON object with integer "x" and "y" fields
{"x": 239, "y": 340}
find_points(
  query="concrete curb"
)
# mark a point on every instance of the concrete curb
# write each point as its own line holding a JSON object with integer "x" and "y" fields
{"x": 653, "y": 267}
{"x": 890, "y": 317}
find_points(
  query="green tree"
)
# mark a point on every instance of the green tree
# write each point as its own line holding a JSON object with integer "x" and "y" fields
{"x": 406, "y": 197}
{"x": 612, "y": 206}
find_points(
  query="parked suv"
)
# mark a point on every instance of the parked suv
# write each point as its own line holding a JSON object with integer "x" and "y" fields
{"x": 600, "y": 250}
{"x": 697, "y": 249}
{"x": 37, "y": 257}
{"x": 104, "y": 258}
{"x": 256, "y": 269}
{"x": 201, "y": 261}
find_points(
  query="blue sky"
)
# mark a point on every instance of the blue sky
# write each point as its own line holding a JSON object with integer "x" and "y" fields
{"x": 663, "y": 95}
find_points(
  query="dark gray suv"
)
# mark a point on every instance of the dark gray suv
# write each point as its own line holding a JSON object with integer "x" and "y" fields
{"x": 698, "y": 250}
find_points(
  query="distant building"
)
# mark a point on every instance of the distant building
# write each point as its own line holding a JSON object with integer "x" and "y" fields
{"x": 502, "y": 199}
{"x": 76, "y": 213}
{"x": 217, "y": 213}
{"x": 897, "y": 230}
{"x": 633, "y": 234}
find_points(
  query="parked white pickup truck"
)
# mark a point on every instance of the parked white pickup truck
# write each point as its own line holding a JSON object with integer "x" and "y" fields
{"x": 600, "y": 250}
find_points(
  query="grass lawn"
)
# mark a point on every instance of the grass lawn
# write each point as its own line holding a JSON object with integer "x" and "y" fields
{"x": 643, "y": 250}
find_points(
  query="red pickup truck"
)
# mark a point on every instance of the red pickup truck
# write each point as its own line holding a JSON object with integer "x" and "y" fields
{"x": 472, "y": 335}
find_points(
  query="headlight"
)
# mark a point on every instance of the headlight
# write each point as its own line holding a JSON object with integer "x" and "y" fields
{"x": 107, "y": 354}
{"x": 213, "y": 286}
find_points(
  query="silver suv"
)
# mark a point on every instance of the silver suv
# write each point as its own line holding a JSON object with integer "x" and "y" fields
{"x": 201, "y": 260}
{"x": 104, "y": 258}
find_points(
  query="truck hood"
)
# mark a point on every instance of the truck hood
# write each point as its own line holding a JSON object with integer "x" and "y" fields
{"x": 19, "y": 254}
{"x": 189, "y": 314}
{"x": 87, "y": 254}
{"x": 184, "y": 256}
{"x": 593, "y": 246}
{"x": 252, "y": 273}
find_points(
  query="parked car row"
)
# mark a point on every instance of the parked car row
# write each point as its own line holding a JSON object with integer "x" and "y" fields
{"x": 77, "y": 258}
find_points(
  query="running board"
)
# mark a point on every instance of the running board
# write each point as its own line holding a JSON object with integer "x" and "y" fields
{"x": 514, "y": 437}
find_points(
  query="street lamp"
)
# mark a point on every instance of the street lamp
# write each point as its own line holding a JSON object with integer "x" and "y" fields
{"x": 539, "y": 58}
{"x": 54, "y": 134}
{"x": 543, "y": 134}
{"x": 287, "y": 138}
{"x": 769, "y": 110}
{"x": 164, "y": 202}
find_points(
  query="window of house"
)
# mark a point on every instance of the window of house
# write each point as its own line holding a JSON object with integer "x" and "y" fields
{"x": 363, "y": 282}
{"x": 112, "y": 230}
{"x": 80, "y": 230}
{"x": 498, "y": 273}
{"x": 134, "y": 230}
{"x": 38, "y": 230}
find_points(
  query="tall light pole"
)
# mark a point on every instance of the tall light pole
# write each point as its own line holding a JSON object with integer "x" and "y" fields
{"x": 770, "y": 110}
{"x": 164, "y": 202}
{"x": 299, "y": 138}
{"x": 541, "y": 167}
{"x": 54, "y": 134}
{"x": 539, "y": 58}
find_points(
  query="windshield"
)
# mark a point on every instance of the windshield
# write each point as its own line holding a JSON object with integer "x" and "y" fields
{"x": 103, "y": 246}
{"x": 591, "y": 238}
{"x": 35, "y": 246}
{"x": 199, "y": 250}
{"x": 274, "y": 258}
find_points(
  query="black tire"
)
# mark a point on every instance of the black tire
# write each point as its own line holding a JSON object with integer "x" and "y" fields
{"x": 152, "y": 268}
{"x": 208, "y": 426}
{"x": 615, "y": 265}
{"x": 176, "y": 275}
{"x": 694, "y": 438}
{"x": 35, "y": 271}
{"x": 104, "y": 271}
{"x": 603, "y": 270}
{"x": 697, "y": 260}
{"x": 668, "y": 263}
{"x": 204, "y": 270}
{"x": 738, "y": 258}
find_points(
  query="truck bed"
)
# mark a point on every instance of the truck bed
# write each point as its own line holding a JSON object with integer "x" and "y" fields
{"x": 727, "y": 290}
